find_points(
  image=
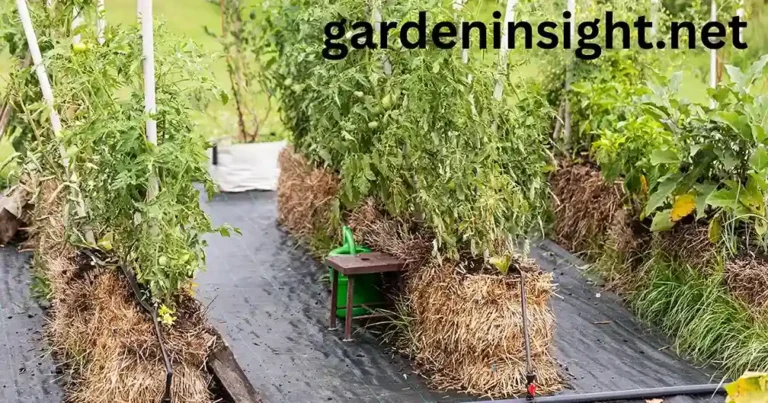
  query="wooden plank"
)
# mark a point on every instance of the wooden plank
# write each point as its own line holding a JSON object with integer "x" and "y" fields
{"x": 231, "y": 377}
{"x": 365, "y": 263}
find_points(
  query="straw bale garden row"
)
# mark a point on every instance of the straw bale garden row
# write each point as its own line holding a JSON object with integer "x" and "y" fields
{"x": 664, "y": 196}
{"x": 452, "y": 163}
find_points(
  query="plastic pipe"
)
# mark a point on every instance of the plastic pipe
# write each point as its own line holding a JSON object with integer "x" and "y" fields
{"x": 37, "y": 59}
{"x": 650, "y": 393}
{"x": 713, "y": 55}
{"x": 101, "y": 22}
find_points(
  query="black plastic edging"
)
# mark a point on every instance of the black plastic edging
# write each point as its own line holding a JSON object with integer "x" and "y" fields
{"x": 650, "y": 393}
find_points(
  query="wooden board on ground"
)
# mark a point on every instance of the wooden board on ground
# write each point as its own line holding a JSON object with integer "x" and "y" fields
{"x": 231, "y": 376}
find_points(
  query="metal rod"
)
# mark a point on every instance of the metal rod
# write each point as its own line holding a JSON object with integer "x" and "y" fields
{"x": 649, "y": 393}
{"x": 524, "y": 305}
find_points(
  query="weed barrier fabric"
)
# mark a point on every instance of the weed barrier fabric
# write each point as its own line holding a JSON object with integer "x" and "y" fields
{"x": 268, "y": 298}
{"x": 27, "y": 372}
{"x": 599, "y": 343}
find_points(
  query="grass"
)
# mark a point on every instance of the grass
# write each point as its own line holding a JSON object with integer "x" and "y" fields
{"x": 190, "y": 22}
{"x": 700, "y": 314}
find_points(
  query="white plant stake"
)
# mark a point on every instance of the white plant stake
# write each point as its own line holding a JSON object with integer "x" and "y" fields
{"x": 37, "y": 60}
{"x": 385, "y": 62}
{"x": 509, "y": 16}
{"x": 713, "y": 57}
{"x": 77, "y": 20}
{"x": 148, "y": 64}
{"x": 568, "y": 77}
{"x": 654, "y": 19}
{"x": 45, "y": 88}
{"x": 101, "y": 22}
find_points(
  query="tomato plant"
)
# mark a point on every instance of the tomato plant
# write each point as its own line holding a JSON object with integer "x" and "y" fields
{"x": 99, "y": 95}
{"x": 426, "y": 141}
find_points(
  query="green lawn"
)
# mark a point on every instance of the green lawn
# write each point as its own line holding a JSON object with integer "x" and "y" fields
{"x": 189, "y": 21}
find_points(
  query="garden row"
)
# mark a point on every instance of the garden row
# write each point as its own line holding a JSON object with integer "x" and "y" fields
{"x": 411, "y": 149}
{"x": 667, "y": 198}
{"x": 102, "y": 196}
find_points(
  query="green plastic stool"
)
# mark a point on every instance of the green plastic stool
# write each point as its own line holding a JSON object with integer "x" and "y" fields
{"x": 367, "y": 286}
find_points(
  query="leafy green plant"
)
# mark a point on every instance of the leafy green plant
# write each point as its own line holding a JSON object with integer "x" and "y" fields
{"x": 471, "y": 167}
{"x": 99, "y": 95}
{"x": 719, "y": 156}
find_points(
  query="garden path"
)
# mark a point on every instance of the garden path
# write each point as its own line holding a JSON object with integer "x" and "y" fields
{"x": 267, "y": 298}
{"x": 27, "y": 372}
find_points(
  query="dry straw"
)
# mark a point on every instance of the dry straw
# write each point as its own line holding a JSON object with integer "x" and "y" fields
{"x": 99, "y": 332}
{"x": 391, "y": 235}
{"x": 586, "y": 207}
{"x": 468, "y": 330}
{"x": 747, "y": 279}
{"x": 305, "y": 195}
{"x": 463, "y": 331}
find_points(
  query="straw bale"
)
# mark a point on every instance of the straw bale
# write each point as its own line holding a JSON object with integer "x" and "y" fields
{"x": 99, "y": 333}
{"x": 585, "y": 207}
{"x": 305, "y": 195}
{"x": 747, "y": 279}
{"x": 468, "y": 334}
{"x": 410, "y": 243}
{"x": 689, "y": 243}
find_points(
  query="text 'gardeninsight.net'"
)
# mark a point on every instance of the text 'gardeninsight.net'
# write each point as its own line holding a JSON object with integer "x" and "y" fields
{"x": 544, "y": 35}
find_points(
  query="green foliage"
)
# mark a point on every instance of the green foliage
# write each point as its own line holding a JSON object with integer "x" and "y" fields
{"x": 719, "y": 154}
{"x": 99, "y": 95}
{"x": 703, "y": 318}
{"x": 237, "y": 41}
{"x": 425, "y": 140}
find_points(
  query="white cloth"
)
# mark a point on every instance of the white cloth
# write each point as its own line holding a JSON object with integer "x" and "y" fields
{"x": 243, "y": 167}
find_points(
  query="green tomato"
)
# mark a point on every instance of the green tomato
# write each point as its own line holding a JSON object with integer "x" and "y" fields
{"x": 288, "y": 82}
{"x": 79, "y": 47}
{"x": 376, "y": 111}
{"x": 373, "y": 125}
{"x": 386, "y": 102}
{"x": 163, "y": 261}
{"x": 359, "y": 94}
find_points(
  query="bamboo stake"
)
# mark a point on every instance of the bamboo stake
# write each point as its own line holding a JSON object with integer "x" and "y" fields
{"x": 509, "y": 16}
{"x": 148, "y": 64}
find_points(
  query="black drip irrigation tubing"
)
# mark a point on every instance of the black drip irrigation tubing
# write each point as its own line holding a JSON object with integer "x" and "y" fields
{"x": 650, "y": 393}
{"x": 153, "y": 313}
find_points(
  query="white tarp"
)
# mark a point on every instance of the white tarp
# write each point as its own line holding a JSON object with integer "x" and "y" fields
{"x": 243, "y": 167}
